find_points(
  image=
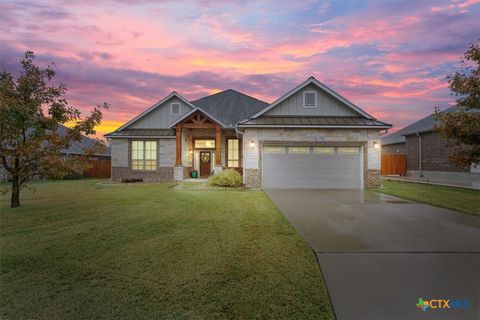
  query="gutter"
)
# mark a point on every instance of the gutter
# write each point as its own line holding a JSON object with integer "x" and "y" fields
{"x": 420, "y": 154}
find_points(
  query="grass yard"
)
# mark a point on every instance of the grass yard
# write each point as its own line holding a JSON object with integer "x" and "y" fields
{"x": 458, "y": 199}
{"x": 79, "y": 250}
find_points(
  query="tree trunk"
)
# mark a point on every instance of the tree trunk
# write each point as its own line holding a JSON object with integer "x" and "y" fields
{"x": 15, "y": 200}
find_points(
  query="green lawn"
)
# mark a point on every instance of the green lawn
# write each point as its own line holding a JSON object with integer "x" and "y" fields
{"x": 79, "y": 250}
{"x": 459, "y": 199}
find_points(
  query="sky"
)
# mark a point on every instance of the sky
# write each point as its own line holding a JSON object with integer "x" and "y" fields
{"x": 388, "y": 57}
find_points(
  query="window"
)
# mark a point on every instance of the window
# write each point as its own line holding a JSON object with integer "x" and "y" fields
{"x": 144, "y": 155}
{"x": 204, "y": 144}
{"x": 233, "y": 154}
{"x": 299, "y": 150}
{"x": 310, "y": 99}
{"x": 175, "y": 109}
{"x": 347, "y": 150}
{"x": 324, "y": 150}
{"x": 274, "y": 149}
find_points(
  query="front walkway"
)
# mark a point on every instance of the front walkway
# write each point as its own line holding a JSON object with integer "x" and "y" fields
{"x": 380, "y": 254}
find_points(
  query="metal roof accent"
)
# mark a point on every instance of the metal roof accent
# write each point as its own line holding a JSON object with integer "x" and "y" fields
{"x": 142, "y": 133}
{"x": 314, "y": 121}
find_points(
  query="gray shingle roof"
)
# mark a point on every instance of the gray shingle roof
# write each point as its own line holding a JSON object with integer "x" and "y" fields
{"x": 314, "y": 121}
{"x": 78, "y": 147}
{"x": 423, "y": 125}
{"x": 230, "y": 106}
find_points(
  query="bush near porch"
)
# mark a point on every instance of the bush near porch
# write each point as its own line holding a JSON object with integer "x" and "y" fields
{"x": 76, "y": 249}
{"x": 226, "y": 178}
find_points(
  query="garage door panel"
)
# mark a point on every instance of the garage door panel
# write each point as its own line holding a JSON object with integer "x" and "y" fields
{"x": 312, "y": 170}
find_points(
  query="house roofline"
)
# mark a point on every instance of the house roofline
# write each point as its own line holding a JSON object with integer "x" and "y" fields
{"x": 322, "y": 86}
{"x": 186, "y": 115}
{"x": 152, "y": 108}
{"x": 315, "y": 126}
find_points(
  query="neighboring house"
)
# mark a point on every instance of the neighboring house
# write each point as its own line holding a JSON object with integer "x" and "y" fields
{"x": 76, "y": 148}
{"x": 426, "y": 152}
{"x": 311, "y": 137}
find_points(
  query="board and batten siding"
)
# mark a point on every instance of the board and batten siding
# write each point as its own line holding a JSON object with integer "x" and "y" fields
{"x": 326, "y": 105}
{"x": 161, "y": 118}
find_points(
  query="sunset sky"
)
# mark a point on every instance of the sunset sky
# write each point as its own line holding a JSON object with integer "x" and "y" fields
{"x": 388, "y": 57}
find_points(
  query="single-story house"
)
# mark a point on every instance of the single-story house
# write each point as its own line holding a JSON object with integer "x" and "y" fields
{"x": 426, "y": 151}
{"x": 77, "y": 148}
{"x": 311, "y": 137}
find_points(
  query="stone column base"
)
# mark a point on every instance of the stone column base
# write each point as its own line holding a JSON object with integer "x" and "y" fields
{"x": 252, "y": 178}
{"x": 178, "y": 173}
{"x": 373, "y": 178}
{"x": 217, "y": 169}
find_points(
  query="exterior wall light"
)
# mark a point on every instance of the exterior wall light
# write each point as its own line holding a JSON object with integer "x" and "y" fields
{"x": 252, "y": 143}
{"x": 376, "y": 145}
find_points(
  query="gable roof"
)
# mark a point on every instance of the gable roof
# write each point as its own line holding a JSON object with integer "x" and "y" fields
{"x": 323, "y": 87}
{"x": 188, "y": 114}
{"x": 423, "y": 125}
{"x": 230, "y": 106}
{"x": 152, "y": 108}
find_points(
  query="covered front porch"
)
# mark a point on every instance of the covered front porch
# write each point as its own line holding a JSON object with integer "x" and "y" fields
{"x": 205, "y": 145}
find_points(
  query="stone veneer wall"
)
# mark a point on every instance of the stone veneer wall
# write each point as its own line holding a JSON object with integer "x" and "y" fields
{"x": 373, "y": 178}
{"x": 161, "y": 174}
{"x": 252, "y": 178}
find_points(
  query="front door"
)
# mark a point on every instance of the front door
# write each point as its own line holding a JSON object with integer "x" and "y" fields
{"x": 205, "y": 163}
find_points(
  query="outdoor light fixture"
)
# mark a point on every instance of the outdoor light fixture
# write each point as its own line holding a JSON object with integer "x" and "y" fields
{"x": 376, "y": 145}
{"x": 252, "y": 143}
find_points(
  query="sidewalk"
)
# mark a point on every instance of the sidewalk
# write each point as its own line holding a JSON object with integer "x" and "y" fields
{"x": 473, "y": 184}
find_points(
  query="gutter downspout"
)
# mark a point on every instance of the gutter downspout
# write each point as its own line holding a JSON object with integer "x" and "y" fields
{"x": 420, "y": 154}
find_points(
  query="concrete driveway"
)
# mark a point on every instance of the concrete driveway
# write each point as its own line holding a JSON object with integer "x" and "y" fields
{"x": 380, "y": 254}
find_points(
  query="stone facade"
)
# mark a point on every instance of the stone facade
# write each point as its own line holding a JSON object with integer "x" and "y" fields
{"x": 252, "y": 178}
{"x": 373, "y": 178}
{"x": 161, "y": 174}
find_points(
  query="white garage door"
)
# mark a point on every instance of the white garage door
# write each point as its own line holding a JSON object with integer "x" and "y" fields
{"x": 312, "y": 167}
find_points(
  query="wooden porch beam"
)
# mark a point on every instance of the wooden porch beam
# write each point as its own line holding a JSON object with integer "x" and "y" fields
{"x": 178, "y": 139}
{"x": 218, "y": 145}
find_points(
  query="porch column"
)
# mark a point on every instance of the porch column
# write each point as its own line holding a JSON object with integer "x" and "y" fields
{"x": 178, "y": 159}
{"x": 218, "y": 149}
{"x": 178, "y": 169}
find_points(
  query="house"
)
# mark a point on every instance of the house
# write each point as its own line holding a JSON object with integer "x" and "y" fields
{"x": 311, "y": 137}
{"x": 426, "y": 151}
{"x": 98, "y": 160}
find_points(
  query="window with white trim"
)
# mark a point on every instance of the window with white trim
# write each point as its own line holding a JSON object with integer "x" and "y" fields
{"x": 310, "y": 99}
{"x": 144, "y": 155}
{"x": 233, "y": 153}
{"x": 175, "y": 109}
{"x": 204, "y": 144}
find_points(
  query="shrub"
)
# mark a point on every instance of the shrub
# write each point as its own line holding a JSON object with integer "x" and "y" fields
{"x": 226, "y": 178}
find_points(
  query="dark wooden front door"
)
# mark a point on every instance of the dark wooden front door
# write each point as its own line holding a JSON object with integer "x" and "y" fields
{"x": 205, "y": 163}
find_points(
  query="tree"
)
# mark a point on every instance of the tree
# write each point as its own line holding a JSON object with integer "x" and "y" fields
{"x": 31, "y": 109}
{"x": 462, "y": 128}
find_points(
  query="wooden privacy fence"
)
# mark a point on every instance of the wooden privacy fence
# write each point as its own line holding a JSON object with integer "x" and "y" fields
{"x": 98, "y": 169}
{"x": 394, "y": 164}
